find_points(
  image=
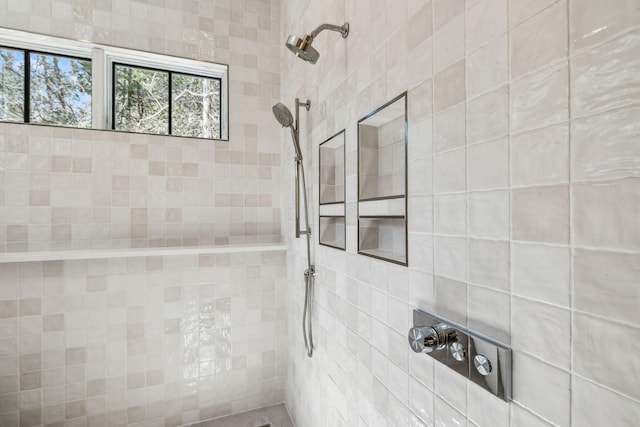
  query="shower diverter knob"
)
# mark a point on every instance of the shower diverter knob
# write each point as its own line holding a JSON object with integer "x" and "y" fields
{"x": 425, "y": 339}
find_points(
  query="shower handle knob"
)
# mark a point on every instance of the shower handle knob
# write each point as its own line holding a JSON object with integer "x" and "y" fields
{"x": 425, "y": 339}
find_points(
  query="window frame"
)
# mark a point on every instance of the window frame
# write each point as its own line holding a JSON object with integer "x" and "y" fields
{"x": 102, "y": 58}
{"x": 26, "y": 104}
{"x": 170, "y": 74}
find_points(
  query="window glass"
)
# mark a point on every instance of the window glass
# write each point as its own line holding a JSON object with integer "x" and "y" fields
{"x": 141, "y": 100}
{"x": 195, "y": 107}
{"x": 60, "y": 90}
{"x": 12, "y": 84}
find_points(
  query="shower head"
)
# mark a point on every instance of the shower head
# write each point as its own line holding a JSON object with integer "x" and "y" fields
{"x": 283, "y": 115}
{"x": 301, "y": 47}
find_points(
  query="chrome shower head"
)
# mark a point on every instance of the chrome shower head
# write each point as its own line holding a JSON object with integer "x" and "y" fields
{"x": 301, "y": 47}
{"x": 283, "y": 115}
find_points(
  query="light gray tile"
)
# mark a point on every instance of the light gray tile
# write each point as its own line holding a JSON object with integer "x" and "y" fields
{"x": 421, "y": 401}
{"x": 539, "y": 41}
{"x": 525, "y": 418}
{"x": 540, "y": 157}
{"x": 540, "y": 99}
{"x": 617, "y": 370}
{"x": 542, "y": 388}
{"x": 605, "y": 146}
{"x": 486, "y": 20}
{"x": 451, "y": 257}
{"x": 598, "y": 22}
{"x": 615, "y": 204}
{"x": 603, "y": 78}
{"x": 489, "y": 263}
{"x": 451, "y": 299}
{"x": 489, "y": 312}
{"x": 541, "y": 214}
{"x": 541, "y": 272}
{"x": 489, "y": 214}
{"x": 451, "y": 386}
{"x": 488, "y": 116}
{"x": 483, "y": 409}
{"x": 449, "y": 128}
{"x": 449, "y": 171}
{"x": 447, "y": 415}
{"x": 487, "y": 67}
{"x": 488, "y": 165}
{"x": 521, "y": 10}
{"x": 450, "y": 214}
{"x": 449, "y": 86}
{"x": 606, "y": 283}
{"x": 542, "y": 330}
{"x": 594, "y": 406}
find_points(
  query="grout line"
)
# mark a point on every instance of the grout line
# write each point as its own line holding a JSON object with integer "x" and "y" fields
{"x": 433, "y": 199}
{"x": 466, "y": 190}
{"x": 570, "y": 220}
{"x": 510, "y": 181}
{"x": 609, "y": 389}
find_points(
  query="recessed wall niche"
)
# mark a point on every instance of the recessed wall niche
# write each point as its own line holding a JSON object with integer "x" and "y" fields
{"x": 382, "y": 182}
{"x": 332, "y": 222}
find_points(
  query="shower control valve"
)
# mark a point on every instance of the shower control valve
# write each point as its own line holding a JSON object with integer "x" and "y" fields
{"x": 476, "y": 357}
{"x": 425, "y": 339}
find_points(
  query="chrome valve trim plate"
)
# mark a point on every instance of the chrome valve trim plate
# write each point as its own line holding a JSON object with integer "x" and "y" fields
{"x": 481, "y": 359}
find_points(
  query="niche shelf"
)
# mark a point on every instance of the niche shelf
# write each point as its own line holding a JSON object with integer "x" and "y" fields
{"x": 332, "y": 223}
{"x": 333, "y": 231}
{"x": 382, "y": 182}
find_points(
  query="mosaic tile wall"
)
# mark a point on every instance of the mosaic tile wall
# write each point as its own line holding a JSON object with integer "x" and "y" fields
{"x": 157, "y": 340}
{"x": 76, "y": 189}
{"x": 523, "y": 210}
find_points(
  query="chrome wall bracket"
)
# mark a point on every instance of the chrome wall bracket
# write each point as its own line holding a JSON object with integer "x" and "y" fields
{"x": 483, "y": 360}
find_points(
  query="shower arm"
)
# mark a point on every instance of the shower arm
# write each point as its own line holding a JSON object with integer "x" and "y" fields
{"x": 344, "y": 30}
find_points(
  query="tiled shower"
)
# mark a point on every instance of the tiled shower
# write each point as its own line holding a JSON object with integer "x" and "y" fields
{"x": 157, "y": 281}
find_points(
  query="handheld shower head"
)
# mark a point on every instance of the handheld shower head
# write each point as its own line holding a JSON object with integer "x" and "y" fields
{"x": 301, "y": 47}
{"x": 283, "y": 115}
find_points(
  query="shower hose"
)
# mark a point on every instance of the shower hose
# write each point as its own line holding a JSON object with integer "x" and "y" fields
{"x": 309, "y": 274}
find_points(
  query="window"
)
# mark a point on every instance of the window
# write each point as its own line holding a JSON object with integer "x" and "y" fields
{"x": 59, "y": 90}
{"x": 165, "y": 102}
{"x": 46, "y": 80}
{"x": 12, "y": 84}
{"x": 45, "y": 89}
{"x": 140, "y": 100}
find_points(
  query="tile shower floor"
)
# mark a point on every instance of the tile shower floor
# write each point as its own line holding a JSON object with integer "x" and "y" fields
{"x": 270, "y": 416}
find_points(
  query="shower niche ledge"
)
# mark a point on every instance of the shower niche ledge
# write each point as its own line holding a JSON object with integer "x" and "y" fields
{"x": 382, "y": 182}
{"x": 84, "y": 254}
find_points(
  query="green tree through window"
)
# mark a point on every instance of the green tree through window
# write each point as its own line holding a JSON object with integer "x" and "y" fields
{"x": 60, "y": 91}
{"x": 196, "y": 106}
{"x": 11, "y": 85}
{"x": 143, "y": 102}
{"x": 59, "y": 87}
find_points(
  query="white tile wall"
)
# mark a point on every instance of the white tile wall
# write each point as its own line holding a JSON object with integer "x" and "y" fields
{"x": 77, "y": 189}
{"x": 150, "y": 340}
{"x": 159, "y": 341}
{"x": 523, "y": 202}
